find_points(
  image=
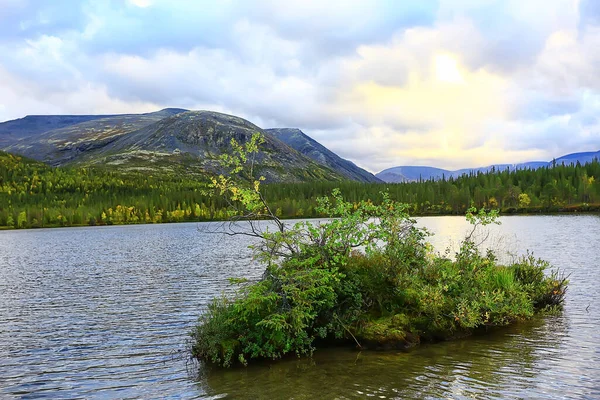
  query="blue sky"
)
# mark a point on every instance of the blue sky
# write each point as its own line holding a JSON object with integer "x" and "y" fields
{"x": 451, "y": 84}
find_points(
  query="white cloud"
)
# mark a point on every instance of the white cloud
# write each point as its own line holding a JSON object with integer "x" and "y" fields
{"x": 19, "y": 97}
{"x": 383, "y": 83}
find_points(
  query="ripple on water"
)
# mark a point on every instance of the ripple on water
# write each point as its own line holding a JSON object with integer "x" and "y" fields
{"x": 104, "y": 312}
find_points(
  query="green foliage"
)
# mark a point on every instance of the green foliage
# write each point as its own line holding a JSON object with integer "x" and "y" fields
{"x": 395, "y": 293}
{"x": 271, "y": 318}
{"x": 35, "y": 195}
{"x": 80, "y": 196}
{"x": 366, "y": 275}
{"x": 481, "y": 217}
{"x": 245, "y": 192}
{"x": 543, "y": 291}
{"x": 563, "y": 188}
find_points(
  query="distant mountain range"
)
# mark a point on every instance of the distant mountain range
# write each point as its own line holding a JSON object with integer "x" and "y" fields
{"x": 172, "y": 141}
{"x": 415, "y": 173}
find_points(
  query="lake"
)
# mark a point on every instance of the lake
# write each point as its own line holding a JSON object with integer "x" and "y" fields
{"x": 104, "y": 312}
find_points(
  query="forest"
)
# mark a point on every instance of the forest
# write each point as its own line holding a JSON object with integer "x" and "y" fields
{"x": 34, "y": 195}
{"x": 560, "y": 188}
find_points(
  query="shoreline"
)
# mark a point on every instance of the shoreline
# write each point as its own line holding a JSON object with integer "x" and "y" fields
{"x": 595, "y": 210}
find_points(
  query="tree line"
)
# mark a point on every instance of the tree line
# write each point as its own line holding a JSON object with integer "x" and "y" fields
{"x": 559, "y": 188}
{"x": 33, "y": 194}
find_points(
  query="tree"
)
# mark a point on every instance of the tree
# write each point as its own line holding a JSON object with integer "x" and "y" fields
{"x": 22, "y": 219}
{"x": 242, "y": 193}
{"x": 524, "y": 200}
{"x": 10, "y": 220}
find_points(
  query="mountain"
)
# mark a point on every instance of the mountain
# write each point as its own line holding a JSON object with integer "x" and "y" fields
{"x": 580, "y": 158}
{"x": 173, "y": 141}
{"x": 298, "y": 140}
{"x": 32, "y": 125}
{"x": 179, "y": 141}
{"x": 414, "y": 173}
{"x": 411, "y": 174}
{"x": 194, "y": 141}
{"x": 66, "y": 141}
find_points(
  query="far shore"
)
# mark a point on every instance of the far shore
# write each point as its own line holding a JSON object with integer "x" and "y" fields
{"x": 592, "y": 209}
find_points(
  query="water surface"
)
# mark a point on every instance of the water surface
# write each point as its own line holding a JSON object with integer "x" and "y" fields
{"x": 104, "y": 312}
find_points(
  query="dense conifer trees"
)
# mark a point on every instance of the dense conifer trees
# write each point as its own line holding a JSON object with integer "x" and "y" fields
{"x": 35, "y": 195}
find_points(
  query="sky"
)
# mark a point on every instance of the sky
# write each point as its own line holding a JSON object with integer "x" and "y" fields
{"x": 446, "y": 83}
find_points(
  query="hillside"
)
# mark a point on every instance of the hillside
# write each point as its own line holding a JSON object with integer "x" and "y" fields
{"x": 178, "y": 141}
{"x": 298, "y": 140}
{"x": 33, "y": 125}
{"x": 172, "y": 141}
{"x": 191, "y": 142}
{"x": 415, "y": 173}
{"x": 65, "y": 144}
{"x": 33, "y": 194}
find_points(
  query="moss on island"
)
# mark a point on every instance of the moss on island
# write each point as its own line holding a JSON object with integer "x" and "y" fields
{"x": 367, "y": 277}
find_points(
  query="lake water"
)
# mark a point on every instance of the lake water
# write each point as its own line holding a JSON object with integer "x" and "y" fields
{"x": 104, "y": 312}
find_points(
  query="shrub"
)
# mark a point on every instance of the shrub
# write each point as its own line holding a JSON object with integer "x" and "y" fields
{"x": 543, "y": 291}
{"x": 367, "y": 276}
{"x": 392, "y": 294}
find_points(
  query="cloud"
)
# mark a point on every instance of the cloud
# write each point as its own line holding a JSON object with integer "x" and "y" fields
{"x": 449, "y": 83}
{"x": 21, "y": 19}
{"x": 20, "y": 97}
{"x": 507, "y": 34}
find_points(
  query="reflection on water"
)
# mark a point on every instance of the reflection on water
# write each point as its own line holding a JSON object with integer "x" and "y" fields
{"x": 500, "y": 364}
{"x": 104, "y": 313}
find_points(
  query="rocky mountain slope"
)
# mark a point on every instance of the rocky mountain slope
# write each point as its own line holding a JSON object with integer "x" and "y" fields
{"x": 175, "y": 140}
{"x": 169, "y": 141}
{"x": 61, "y": 145}
{"x": 32, "y": 125}
{"x": 195, "y": 139}
{"x": 298, "y": 140}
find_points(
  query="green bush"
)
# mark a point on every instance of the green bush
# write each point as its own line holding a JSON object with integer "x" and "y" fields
{"x": 396, "y": 292}
{"x": 543, "y": 291}
{"x": 366, "y": 276}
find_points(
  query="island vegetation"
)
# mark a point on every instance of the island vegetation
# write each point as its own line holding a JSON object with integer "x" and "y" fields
{"x": 33, "y": 194}
{"x": 367, "y": 278}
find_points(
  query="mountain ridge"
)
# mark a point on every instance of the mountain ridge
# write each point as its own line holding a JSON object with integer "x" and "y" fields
{"x": 162, "y": 140}
{"x": 306, "y": 145}
{"x": 170, "y": 141}
{"x": 35, "y": 124}
{"x": 415, "y": 173}
{"x": 206, "y": 135}
{"x": 61, "y": 145}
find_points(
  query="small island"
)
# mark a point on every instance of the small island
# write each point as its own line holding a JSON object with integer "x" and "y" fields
{"x": 366, "y": 277}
